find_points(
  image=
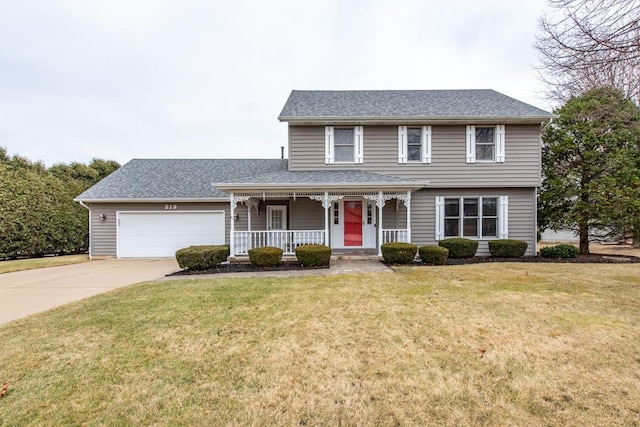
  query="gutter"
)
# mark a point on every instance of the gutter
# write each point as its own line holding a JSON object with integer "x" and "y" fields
{"x": 328, "y": 120}
{"x": 319, "y": 185}
{"x": 155, "y": 200}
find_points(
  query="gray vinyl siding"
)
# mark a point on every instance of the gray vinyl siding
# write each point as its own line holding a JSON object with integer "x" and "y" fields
{"x": 392, "y": 218}
{"x": 306, "y": 214}
{"x": 522, "y": 214}
{"x": 448, "y": 167}
{"x": 103, "y": 233}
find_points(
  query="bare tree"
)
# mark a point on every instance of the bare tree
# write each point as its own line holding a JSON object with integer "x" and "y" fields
{"x": 590, "y": 43}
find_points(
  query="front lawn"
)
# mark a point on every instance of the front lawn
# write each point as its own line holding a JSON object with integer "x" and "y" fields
{"x": 49, "y": 261}
{"x": 499, "y": 344}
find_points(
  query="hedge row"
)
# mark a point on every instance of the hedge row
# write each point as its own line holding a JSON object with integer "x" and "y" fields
{"x": 405, "y": 253}
{"x": 205, "y": 257}
{"x": 199, "y": 258}
{"x": 38, "y": 215}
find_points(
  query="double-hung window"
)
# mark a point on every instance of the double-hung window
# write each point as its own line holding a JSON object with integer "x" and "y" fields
{"x": 485, "y": 144}
{"x": 343, "y": 144}
{"x": 472, "y": 217}
{"x": 414, "y": 144}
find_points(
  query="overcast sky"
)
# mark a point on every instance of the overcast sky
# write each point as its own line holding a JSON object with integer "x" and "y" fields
{"x": 123, "y": 79}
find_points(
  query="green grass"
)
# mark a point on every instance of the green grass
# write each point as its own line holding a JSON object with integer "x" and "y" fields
{"x": 499, "y": 344}
{"x": 32, "y": 263}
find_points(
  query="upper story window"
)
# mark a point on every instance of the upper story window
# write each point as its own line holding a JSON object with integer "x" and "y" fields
{"x": 485, "y": 144}
{"x": 343, "y": 144}
{"x": 414, "y": 144}
{"x": 472, "y": 217}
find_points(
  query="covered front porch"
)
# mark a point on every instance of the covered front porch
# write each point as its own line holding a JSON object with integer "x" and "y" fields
{"x": 343, "y": 209}
{"x": 343, "y": 220}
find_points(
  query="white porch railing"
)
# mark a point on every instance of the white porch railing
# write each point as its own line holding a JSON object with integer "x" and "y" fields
{"x": 287, "y": 240}
{"x": 391, "y": 235}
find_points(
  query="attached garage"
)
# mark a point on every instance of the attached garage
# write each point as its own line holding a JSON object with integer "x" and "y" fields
{"x": 161, "y": 234}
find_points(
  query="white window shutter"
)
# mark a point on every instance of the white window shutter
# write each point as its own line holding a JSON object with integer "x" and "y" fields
{"x": 328, "y": 145}
{"x": 471, "y": 144}
{"x": 439, "y": 218}
{"x": 426, "y": 144}
{"x": 503, "y": 217}
{"x": 358, "y": 144}
{"x": 500, "y": 144}
{"x": 402, "y": 144}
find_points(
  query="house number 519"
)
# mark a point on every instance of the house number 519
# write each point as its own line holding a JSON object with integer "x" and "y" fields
{"x": 170, "y": 207}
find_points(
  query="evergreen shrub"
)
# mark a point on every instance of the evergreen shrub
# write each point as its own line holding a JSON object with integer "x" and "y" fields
{"x": 399, "y": 253}
{"x": 460, "y": 247}
{"x": 266, "y": 256}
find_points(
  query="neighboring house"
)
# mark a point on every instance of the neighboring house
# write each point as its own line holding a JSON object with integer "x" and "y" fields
{"x": 364, "y": 168}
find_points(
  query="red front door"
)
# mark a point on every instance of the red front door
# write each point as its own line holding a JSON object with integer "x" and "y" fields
{"x": 352, "y": 223}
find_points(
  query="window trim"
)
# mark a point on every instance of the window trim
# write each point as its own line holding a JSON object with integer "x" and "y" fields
{"x": 498, "y": 141}
{"x": 502, "y": 217}
{"x": 329, "y": 145}
{"x": 403, "y": 144}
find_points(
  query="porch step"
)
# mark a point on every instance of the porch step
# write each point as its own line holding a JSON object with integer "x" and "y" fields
{"x": 354, "y": 257}
{"x": 243, "y": 259}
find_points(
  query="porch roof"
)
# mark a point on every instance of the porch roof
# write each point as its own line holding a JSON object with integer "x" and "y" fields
{"x": 319, "y": 180}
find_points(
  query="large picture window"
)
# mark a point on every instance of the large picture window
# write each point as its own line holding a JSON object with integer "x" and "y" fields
{"x": 471, "y": 217}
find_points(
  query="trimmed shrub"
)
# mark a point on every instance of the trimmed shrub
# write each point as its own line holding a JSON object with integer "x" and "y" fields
{"x": 399, "y": 253}
{"x": 266, "y": 256}
{"x": 313, "y": 255}
{"x": 559, "y": 251}
{"x": 460, "y": 247}
{"x": 433, "y": 255}
{"x": 198, "y": 258}
{"x": 507, "y": 248}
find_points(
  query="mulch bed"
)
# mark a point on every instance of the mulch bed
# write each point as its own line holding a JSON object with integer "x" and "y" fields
{"x": 292, "y": 265}
{"x": 591, "y": 258}
{"x": 247, "y": 268}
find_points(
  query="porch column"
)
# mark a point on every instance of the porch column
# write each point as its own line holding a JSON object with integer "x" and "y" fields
{"x": 248, "y": 217}
{"x": 380, "y": 204}
{"x": 326, "y": 204}
{"x": 407, "y": 205}
{"x": 232, "y": 208}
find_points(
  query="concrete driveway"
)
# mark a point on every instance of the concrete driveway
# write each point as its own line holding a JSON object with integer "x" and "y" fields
{"x": 33, "y": 291}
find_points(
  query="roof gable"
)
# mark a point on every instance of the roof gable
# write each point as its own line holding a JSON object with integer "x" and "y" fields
{"x": 406, "y": 104}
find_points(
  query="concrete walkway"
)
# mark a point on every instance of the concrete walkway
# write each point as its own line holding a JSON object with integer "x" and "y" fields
{"x": 27, "y": 292}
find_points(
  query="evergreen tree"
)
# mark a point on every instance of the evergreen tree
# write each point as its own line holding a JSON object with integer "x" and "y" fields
{"x": 591, "y": 166}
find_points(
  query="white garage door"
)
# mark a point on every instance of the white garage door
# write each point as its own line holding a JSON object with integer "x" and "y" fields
{"x": 161, "y": 234}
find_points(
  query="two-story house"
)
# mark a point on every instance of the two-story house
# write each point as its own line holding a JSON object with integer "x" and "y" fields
{"x": 364, "y": 168}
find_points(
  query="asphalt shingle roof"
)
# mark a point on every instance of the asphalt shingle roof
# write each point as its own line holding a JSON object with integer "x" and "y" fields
{"x": 436, "y": 104}
{"x": 193, "y": 178}
{"x": 319, "y": 177}
{"x": 176, "y": 178}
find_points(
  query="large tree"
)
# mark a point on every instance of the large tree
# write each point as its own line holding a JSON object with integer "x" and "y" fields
{"x": 590, "y": 163}
{"x": 586, "y": 44}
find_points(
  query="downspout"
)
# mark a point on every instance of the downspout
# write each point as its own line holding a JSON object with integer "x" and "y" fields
{"x": 90, "y": 227}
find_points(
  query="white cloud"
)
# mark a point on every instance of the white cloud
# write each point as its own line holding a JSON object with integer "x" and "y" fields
{"x": 123, "y": 79}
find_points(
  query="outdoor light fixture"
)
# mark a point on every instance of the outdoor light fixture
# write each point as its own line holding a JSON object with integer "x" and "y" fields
{"x": 235, "y": 216}
{"x": 103, "y": 217}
